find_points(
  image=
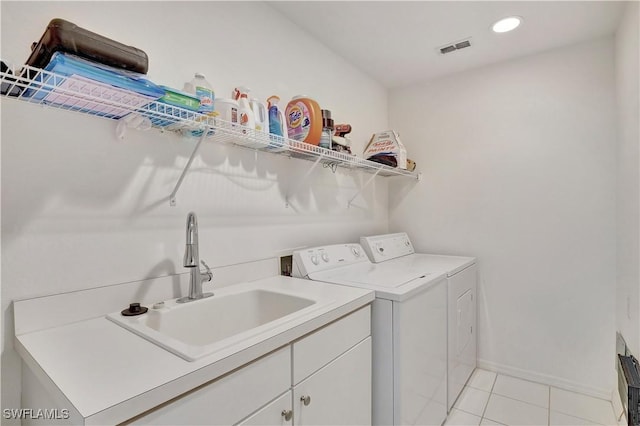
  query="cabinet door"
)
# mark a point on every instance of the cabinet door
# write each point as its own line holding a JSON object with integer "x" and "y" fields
{"x": 275, "y": 413}
{"x": 339, "y": 393}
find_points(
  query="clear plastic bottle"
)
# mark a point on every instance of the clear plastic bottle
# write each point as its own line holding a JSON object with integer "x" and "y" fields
{"x": 200, "y": 87}
{"x": 327, "y": 130}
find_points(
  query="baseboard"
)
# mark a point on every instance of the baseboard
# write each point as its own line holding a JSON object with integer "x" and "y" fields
{"x": 545, "y": 379}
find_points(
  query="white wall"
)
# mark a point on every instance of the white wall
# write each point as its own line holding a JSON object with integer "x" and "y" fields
{"x": 82, "y": 209}
{"x": 519, "y": 170}
{"x": 628, "y": 200}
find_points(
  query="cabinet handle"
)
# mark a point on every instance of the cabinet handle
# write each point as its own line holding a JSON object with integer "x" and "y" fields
{"x": 287, "y": 414}
{"x": 306, "y": 400}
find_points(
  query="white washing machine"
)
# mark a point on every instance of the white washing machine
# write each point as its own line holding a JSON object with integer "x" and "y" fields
{"x": 408, "y": 328}
{"x": 396, "y": 251}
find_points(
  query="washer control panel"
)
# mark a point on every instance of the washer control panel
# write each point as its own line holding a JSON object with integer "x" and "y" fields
{"x": 323, "y": 258}
{"x": 388, "y": 246}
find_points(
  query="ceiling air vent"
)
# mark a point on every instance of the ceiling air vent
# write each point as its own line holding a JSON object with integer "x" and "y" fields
{"x": 452, "y": 47}
{"x": 447, "y": 49}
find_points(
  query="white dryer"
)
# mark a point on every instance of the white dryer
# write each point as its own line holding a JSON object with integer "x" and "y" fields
{"x": 397, "y": 252}
{"x": 408, "y": 328}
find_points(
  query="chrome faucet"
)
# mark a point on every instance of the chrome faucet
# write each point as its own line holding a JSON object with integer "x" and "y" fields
{"x": 192, "y": 261}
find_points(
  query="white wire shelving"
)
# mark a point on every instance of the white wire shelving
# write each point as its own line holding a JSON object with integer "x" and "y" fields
{"x": 79, "y": 94}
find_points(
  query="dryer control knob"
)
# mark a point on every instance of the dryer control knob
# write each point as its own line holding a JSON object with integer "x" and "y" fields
{"x": 314, "y": 259}
{"x": 325, "y": 257}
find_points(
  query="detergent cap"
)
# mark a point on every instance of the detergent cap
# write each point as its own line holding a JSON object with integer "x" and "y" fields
{"x": 273, "y": 100}
{"x": 241, "y": 92}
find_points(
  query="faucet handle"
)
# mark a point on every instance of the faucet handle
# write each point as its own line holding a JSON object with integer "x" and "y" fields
{"x": 209, "y": 274}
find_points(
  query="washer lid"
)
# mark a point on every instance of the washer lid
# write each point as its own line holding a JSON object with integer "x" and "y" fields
{"x": 388, "y": 283}
{"x": 370, "y": 275}
{"x": 384, "y": 278}
{"x": 433, "y": 263}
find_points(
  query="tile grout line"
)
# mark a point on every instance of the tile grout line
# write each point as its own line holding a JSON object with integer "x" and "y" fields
{"x": 491, "y": 393}
{"x": 519, "y": 400}
{"x": 594, "y": 422}
{"x": 523, "y": 402}
{"x": 495, "y": 379}
{"x": 510, "y": 396}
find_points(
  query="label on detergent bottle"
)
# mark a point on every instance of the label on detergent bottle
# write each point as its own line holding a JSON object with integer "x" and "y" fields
{"x": 298, "y": 121}
{"x": 206, "y": 99}
{"x": 244, "y": 118}
{"x": 275, "y": 126}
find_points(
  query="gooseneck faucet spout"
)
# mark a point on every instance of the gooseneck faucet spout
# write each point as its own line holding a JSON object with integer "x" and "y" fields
{"x": 192, "y": 261}
{"x": 191, "y": 249}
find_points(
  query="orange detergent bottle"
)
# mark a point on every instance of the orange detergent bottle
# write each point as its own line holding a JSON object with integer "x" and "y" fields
{"x": 304, "y": 120}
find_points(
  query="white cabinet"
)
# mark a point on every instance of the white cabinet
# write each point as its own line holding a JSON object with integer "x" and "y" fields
{"x": 279, "y": 412}
{"x": 228, "y": 399}
{"x": 332, "y": 373}
{"x": 319, "y": 348}
{"x": 338, "y": 394}
{"x": 323, "y": 378}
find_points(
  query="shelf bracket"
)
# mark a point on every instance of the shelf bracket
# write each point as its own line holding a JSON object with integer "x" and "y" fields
{"x": 302, "y": 181}
{"x": 172, "y": 197}
{"x": 363, "y": 187}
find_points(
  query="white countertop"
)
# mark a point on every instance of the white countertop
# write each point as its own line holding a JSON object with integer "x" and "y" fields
{"x": 110, "y": 374}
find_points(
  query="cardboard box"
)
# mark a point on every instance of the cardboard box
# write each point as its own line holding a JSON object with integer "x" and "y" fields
{"x": 387, "y": 143}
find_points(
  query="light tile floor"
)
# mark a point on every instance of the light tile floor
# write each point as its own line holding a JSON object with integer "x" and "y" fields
{"x": 496, "y": 399}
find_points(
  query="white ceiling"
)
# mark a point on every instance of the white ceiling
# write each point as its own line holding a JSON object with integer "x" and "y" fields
{"x": 396, "y": 42}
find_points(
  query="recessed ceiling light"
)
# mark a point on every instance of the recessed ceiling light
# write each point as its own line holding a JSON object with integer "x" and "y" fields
{"x": 507, "y": 24}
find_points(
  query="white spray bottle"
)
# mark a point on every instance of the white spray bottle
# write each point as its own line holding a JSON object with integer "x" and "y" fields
{"x": 245, "y": 113}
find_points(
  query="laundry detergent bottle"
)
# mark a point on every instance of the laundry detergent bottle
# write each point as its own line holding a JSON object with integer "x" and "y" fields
{"x": 245, "y": 113}
{"x": 276, "y": 117}
{"x": 260, "y": 115}
{"x": 277, "y": 124}
{"x": 202, "y": 89}
{"x": 304, "y": 120}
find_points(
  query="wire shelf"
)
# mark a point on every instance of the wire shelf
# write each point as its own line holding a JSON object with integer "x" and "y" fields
{"x": 76, "y": 93}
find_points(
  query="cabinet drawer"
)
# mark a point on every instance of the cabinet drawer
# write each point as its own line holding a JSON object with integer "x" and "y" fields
{"x": 228, "y": 399}
{"x": 321, "y": 347}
